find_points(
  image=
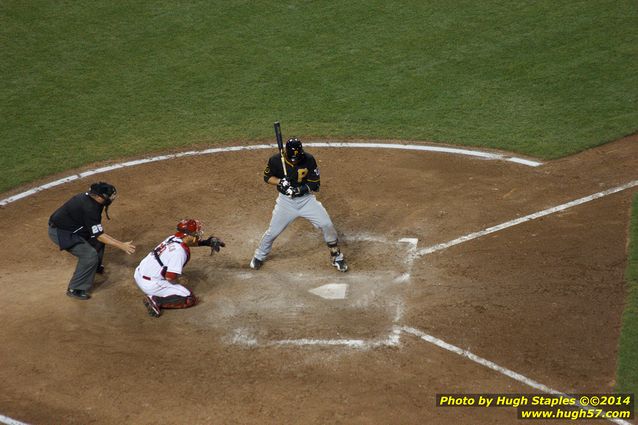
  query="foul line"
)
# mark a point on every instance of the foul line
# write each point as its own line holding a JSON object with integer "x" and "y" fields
{"x": 8, "y": 421}
{"x": 491, "y": 365}
{"x": 478, "y": 154}
{"x": 524, "y": 219}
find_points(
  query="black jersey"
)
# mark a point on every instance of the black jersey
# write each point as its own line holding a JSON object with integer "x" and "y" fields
{"x": 305, "y": 171}
{"x": 81, "y": 215}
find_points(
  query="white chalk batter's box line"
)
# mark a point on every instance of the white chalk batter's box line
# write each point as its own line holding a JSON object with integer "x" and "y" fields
{"x": 244, "y": 337}
{"x": 424, "y": 148}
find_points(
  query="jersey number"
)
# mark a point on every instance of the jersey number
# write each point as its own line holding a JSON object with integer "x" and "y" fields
{"x": 163, "y": 246}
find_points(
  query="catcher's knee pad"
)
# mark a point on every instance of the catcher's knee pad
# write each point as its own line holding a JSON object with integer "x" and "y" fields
{"x": 176, "y": 301}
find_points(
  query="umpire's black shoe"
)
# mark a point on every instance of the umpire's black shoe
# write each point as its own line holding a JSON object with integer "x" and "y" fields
{"x": 100, "y": 269}
{"x": 255, "y": 264}
{"x": 78, "y": 294}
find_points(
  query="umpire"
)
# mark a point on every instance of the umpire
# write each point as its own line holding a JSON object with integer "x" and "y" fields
{"x": 76, "y": 227}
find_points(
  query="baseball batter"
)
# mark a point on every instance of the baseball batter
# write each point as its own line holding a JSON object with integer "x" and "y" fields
{"x": 296, "y": 200}
{"x": 158, "y": 273}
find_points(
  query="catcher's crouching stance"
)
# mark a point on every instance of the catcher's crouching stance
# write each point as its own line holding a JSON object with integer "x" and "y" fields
{"x": 158, "y": 272}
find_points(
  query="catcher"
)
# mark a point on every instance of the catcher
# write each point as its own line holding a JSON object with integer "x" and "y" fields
{"x": 295, "y": 186}
{"x": 158, "y": 273}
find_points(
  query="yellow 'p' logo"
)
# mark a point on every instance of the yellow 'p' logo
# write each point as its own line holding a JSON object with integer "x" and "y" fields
{"x": 301, "y": 174}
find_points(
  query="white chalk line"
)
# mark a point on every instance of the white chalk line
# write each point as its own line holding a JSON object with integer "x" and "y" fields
{"x": 412, "y": 252}
{"x": 466, "y": 152}
{"x": 529, "y": 217}
{"x": 491, "y": 365}
{"x": 9, "y": 421}
{"x": 409, "y": 259}
{"x": 241, "y": 337}
{"x": 412, "y": 244}
{"x": 392, "y": 340}
{"x": 440, "y": 149}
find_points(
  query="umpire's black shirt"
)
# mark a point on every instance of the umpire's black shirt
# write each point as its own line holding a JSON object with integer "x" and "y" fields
{"x": 81, "y": 215}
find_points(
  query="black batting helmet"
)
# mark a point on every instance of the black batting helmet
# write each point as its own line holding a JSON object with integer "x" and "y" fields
{"x": 294, "y": 150}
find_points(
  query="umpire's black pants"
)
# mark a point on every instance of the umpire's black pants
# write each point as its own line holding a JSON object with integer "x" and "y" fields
{"x": 89, "y": 258}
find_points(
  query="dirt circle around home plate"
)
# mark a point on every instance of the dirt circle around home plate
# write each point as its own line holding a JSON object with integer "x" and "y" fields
{"x": 542, "y": 298}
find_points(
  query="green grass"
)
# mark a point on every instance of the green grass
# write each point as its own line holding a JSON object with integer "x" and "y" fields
{"x": 627, "y": 375}
{"x": 86, "y": 81}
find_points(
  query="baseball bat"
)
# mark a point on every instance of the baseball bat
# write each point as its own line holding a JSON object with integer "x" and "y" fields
{"x": 280, "y": 144}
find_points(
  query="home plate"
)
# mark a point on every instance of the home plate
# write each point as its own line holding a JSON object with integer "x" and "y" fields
{"x": 331, "y": 291}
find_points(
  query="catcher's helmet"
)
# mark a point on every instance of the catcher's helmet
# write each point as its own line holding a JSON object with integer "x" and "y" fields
{"x": 190, "y": 227}
{"x": 105, "y": 190}
{"x": 294, "y": 150}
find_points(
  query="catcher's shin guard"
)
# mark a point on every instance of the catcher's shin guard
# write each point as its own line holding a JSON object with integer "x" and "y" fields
{"x": 176, "y": 301}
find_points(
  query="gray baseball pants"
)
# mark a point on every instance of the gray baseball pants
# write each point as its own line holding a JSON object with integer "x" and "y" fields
{"x": 286, "y": 211}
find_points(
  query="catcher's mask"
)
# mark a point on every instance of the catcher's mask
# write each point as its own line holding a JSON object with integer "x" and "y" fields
{"x": 190, "y": 227}
{"x": 294, "y": 150}
{"x": 105, "y": 191}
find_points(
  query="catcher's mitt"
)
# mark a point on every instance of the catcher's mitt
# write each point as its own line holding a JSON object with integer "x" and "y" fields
{"x": 215, "y": 244}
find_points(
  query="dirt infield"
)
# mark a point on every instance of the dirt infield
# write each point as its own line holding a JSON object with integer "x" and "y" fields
{"x": 542, "y": 298}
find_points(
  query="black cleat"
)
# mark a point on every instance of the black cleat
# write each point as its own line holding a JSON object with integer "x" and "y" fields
{"x": 152, "y": 307}
{"x": 100, "y": 269}
{"x": 339, "y": 261}
{"x": 79, "y": 294}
